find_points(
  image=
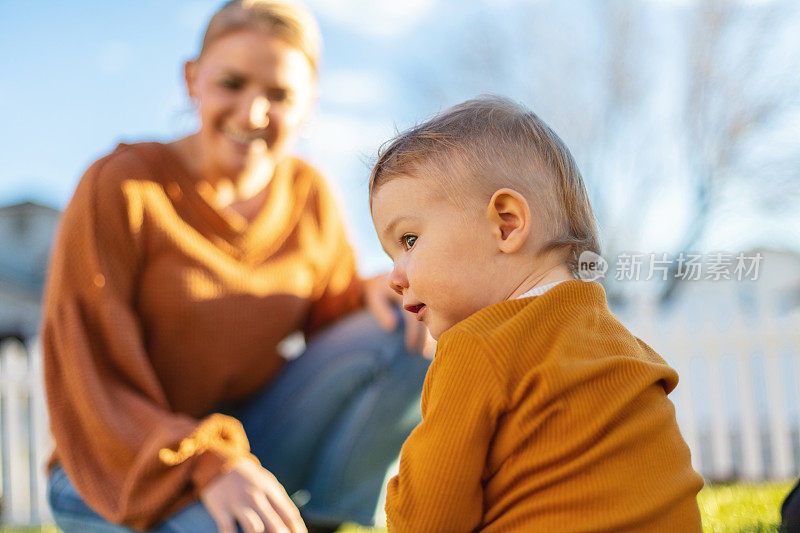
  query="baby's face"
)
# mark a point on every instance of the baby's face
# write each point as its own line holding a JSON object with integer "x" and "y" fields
{"x": 444, "y": 258}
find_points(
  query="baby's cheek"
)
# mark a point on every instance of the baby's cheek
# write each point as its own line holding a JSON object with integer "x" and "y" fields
{"x": 427, "y": 275}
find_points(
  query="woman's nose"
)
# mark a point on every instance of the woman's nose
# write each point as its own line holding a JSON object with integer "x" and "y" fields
{"x": 259, "y": 109}
{"x": 398, "y": 280}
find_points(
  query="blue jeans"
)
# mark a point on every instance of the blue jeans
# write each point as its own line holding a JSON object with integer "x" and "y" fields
{"x": 327, "y": 427}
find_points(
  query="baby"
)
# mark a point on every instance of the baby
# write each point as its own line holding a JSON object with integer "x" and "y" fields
{"x": 541, "y": 412}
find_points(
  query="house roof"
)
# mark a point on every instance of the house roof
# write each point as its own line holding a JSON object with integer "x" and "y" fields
{"x": 27, "y": 207}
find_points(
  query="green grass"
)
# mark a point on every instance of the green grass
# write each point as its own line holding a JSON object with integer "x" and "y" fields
{"x": 43, "y": 529}
{"x": 742, "y": 507}
{"x": 728, "y": 508}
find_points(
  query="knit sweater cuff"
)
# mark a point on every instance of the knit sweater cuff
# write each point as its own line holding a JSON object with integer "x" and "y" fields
{"x": 214, "y": 447}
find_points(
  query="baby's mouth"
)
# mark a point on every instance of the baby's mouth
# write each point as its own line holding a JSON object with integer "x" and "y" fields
{"x": 416, "y": 309}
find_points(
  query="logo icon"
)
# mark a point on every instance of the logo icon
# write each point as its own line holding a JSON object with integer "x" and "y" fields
{"x": 591, "y": 266}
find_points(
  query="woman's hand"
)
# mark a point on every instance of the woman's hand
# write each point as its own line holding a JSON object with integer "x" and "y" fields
{"x": 381, "y": 300}
{"x": 251, "y": 496}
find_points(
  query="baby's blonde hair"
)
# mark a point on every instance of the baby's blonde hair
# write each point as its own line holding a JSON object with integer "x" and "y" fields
{"x": 477, "y": 147}
{"x": 286, "y": 19}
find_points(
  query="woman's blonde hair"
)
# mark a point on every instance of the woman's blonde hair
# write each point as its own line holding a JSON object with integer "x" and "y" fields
{"x": 475, "y": 148}
{"x": 288, "y": 20}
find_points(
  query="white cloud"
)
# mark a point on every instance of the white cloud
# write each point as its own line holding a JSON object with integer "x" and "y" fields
{"x": 339, "y": 141}
{"x": 380, "y": 18}
{"x": 354, "y": 88}
{"x": 691, "y": 2}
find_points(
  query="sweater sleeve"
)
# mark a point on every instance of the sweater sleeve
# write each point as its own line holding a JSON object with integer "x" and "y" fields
{"x": 132, "y": 460}
{"x": 338, "y": 290}
{"x": 439, "y": 484}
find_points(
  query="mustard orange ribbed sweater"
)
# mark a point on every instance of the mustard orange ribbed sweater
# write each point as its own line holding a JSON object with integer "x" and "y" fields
{"x": 545, "y": 414}
{"x": 158, "y": 309}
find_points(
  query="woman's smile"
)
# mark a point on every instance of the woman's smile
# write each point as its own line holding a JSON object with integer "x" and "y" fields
{"x": 243, "y": 137}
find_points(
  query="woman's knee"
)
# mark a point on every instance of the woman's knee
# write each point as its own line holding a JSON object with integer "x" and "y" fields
{"x": 66, "y": 503}
{"x": 358, "y": 334}
{"x": 193, "y": 518}
{"x": 72, "y": 514}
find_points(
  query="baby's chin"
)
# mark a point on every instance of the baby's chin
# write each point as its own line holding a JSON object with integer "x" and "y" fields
{"x": 438, "y": 331}
{"x": 435, "y": 332}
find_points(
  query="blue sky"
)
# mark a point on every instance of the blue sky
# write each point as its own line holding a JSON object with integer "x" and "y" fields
{"x": 75, "y": 80}
{"x": 78, "y": 77}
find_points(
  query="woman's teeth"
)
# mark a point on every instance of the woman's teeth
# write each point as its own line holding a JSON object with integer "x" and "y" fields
{"x": 240, "y": 136}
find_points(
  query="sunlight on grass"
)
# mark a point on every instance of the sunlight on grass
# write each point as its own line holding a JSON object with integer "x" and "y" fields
{"x": 742, "y": 507}
{"x": 729, "y": 508}
{"x": 353, "y": 528}
{"x": 43, "y": 529}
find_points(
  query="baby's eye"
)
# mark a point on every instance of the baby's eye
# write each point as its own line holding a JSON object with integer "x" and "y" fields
{"x": 407, "y": 241}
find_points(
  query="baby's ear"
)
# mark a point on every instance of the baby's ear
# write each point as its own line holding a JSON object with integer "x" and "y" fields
{"x": 510, "y": 217}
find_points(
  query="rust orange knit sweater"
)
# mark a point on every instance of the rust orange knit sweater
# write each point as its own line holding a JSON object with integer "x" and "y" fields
{"x": 158, "y": 308}
{"x": 545, "y": 414}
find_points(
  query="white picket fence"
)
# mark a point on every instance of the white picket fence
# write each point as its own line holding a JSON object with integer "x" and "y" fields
{"x": 25, "y": 440}
{"x": 737, "y": 402}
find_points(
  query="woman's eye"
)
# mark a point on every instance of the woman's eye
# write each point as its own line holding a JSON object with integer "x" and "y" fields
{"x": 278, "y": 95}
{"x": 231, "y": 83}
{"x": 408, "y": 241}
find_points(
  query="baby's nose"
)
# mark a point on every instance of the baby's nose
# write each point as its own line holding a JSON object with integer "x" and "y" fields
{"x": 396, "y": 287}
{"x": 397, "y": 281}
{"x": 258, "y": 112}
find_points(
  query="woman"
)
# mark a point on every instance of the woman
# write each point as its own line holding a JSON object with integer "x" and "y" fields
{"x": 178, "y": 270}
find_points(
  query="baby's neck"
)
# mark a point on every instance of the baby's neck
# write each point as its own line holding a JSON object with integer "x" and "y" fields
{"x": 541, "y": 277}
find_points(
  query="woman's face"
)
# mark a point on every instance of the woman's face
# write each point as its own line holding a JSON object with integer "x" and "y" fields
{"x": 253, "y": 92}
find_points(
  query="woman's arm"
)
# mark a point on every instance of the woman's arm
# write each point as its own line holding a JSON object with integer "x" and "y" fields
{"x": 338, "y": 290}
{"x": 108, "y": 412}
